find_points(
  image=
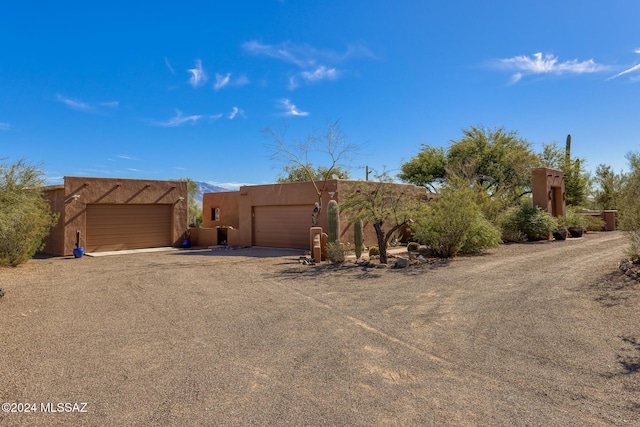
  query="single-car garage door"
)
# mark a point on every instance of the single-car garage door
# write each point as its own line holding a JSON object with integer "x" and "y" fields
{"x": 282, "y": 226}
{"x": 116, "y": 227}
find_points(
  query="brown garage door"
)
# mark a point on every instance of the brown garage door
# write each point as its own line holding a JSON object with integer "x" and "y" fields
{"x": 282, "y": 226}
{"x": 116, "y": 227}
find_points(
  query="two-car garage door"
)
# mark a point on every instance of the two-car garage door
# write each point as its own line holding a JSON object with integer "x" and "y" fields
{"x": 282, "y": 226}
{"x": 129, "y": 226}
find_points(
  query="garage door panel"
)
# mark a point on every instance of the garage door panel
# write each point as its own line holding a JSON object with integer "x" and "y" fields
{"x": 282, "y": 226}
{"x": 115, "y": 227}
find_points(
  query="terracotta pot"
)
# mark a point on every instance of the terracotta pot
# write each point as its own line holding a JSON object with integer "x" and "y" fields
{"x": 560, "y": 234}
{"x": 576, "y": 231}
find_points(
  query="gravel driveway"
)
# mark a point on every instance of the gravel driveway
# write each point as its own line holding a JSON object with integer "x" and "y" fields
{"x": 526, "y": 335}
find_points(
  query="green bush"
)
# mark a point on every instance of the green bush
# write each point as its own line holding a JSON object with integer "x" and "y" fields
{"x": 413, "y": 246}
{"x": 374, "y": 251}
{"x": 454, "y": 224}
{"x": 527, "y": 220}
{"x": 25, "y": 216}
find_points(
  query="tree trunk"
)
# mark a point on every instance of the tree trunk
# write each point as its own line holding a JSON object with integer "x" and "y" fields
{"x": 382, "y": 244}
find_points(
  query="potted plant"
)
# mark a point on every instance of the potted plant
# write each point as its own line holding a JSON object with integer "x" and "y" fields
{"x": 575, "y": 222}
{"x": 561, "y": 232}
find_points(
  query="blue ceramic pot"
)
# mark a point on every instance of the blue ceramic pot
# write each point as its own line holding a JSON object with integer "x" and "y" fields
{"x": 78, "y": 252}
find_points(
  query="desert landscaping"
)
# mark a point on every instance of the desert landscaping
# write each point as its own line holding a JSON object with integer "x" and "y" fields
{"x": 540, "y": 333}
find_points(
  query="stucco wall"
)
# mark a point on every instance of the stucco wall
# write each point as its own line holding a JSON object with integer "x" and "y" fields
{"x": 227, "y": 202}
{"x": 54, "y": 242}
{"x": 242, "y": 202}
{"x": 80, "y": 191}
{"x": 547, "y": 186}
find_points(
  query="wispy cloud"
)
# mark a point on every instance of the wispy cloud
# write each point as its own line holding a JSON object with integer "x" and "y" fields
{"x": 629, "y": 70}
{"x": 235, "y": 111}
{"x": 291, "y": 109}
{"x": 540, "y": 63}
{"x": 221, "y": 81}
{"x": 125, "y": 157}
{"x": 4, "y": 126}
{"x": 315, "y": 64}
{"x": 168, "y": 64}
{"x": 74, "y": 103}
{"x": 198, "y": 75}
{"x": 178, "y": 120}
{"x": 319, "y": 74}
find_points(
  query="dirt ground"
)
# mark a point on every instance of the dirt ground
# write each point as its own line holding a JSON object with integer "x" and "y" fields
{"x": 526, "y": 335}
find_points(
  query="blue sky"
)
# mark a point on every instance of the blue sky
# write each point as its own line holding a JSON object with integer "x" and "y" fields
{"x": 163, "y": 90}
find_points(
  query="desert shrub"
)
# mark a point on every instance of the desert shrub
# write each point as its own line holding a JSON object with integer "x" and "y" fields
{"x": 630, "y": 207}
{"x": 374, "y": 251}
{"x": 593, "y": 223}
{"x": 413, "y": 246}
{"x": 336, "y": 252}
{"x": 527, "y": 220}
{"x": 25, "y": 216}
{"x": 455, "y": 224}
{"x": 482, "y": 235}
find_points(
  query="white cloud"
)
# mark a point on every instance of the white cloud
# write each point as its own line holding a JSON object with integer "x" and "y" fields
{"x": 178, "y": 120}
{"x": 168, "y": 64}
{"x": 125, "y": 157}
{"x": 235, "y": 111}
{"x": 547, "y": 64}
{"x": 629, "y": 70}
{"x": 4, "y": 126}
{"x": 78, "y": 105}
{"x": 221, "y": 81}
{"x": 316, "y": 65}
{"x": 198, "y": 76}
{"x": 133, "y": 170}
{"x": 319, "y": 74}
{"x": 74, "y": 104}
{"x": 291, "y": 109}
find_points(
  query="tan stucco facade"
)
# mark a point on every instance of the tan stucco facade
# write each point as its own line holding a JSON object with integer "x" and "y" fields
{"x": 70, "y": 202}
{"x": 547, "y": 186}
{"x": 237, "y": 209}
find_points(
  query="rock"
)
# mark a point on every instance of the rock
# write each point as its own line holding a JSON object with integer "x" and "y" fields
{"x": 381, "y": 265}
{"x": 1, "y": 292}
{"x": 422, "y": 259}
{"x": 401, "y": 263}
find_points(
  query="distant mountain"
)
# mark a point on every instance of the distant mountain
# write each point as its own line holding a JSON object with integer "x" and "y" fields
{"x": 204, "y": 187}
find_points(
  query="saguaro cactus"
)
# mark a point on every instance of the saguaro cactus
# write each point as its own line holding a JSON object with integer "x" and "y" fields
{"x": 357, "y": 238}
{"x": 333, "y": 213}
{"x": 567, "y": 152}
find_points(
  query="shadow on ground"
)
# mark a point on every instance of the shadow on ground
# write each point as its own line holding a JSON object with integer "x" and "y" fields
{"x": 252, "y": 252}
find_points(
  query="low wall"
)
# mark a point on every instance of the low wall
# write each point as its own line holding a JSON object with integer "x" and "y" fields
{"x": 204, "y": 236}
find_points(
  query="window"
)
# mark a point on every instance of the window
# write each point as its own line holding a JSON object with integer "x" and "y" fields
{"x": 215, "y": 214}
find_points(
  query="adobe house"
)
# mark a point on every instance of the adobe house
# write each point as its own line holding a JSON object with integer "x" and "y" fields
{"x": 274, "y": 215}
{"x": 115, "y": 214}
